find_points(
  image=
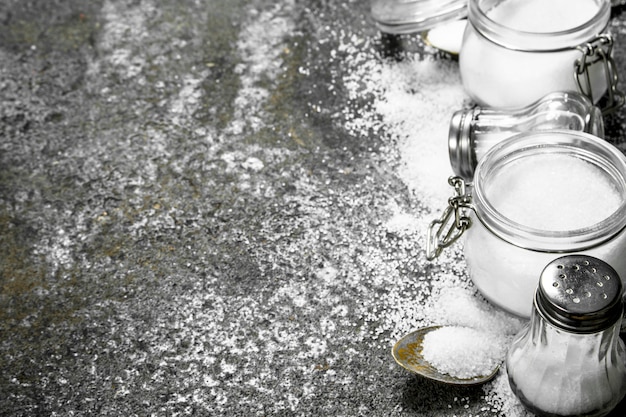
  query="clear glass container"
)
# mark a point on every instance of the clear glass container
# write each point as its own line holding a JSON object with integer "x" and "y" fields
{"x": 414, "y": 16}
{"x": 535, "y": 195}
{"x": 516, "y": 51}
{"x": 569, "y": 360}
{"x": 474, "y": 131}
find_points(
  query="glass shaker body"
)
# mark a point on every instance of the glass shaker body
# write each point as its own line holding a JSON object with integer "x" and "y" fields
{"x": 516, "y": 51}
{"x": 547, "y": 380}
{"x": 559, "y": 365}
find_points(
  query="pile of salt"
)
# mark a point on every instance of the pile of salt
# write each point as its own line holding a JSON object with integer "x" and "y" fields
{"x": 464, "y": 352}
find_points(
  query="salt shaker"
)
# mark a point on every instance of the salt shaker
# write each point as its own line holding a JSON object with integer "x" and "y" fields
{"x": 569, "y": 360}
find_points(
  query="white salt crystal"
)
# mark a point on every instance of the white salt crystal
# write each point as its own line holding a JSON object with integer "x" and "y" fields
{"x": 501, "y": 399}
{"x": 464, "y": 352}
{"x": 557, "y": 192}
{"x": 543, "y": 16}
{"x": 412, "y": 102}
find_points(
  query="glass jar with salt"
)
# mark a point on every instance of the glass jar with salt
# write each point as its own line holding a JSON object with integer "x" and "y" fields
{"x": 535, "y": 195}
{"x": 412, "y": 16}
{"x": 516, "y": 51}
{"x": 569, "y": 360}
{"x": 476, "y": 130}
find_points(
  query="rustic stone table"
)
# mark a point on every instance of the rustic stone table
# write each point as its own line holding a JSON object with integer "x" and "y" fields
{"x": 218, "y": 208}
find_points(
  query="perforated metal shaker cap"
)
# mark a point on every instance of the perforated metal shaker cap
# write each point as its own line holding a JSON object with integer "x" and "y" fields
{"x": 579, "y": 293}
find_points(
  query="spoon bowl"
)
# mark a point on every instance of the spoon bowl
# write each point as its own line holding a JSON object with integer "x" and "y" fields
{"x": 407, "y": 352}
{"x": 447, "y": 37}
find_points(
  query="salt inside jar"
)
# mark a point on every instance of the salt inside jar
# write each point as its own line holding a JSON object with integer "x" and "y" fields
{"x": 534, "y": 195}
{"x": 516, "y": 51}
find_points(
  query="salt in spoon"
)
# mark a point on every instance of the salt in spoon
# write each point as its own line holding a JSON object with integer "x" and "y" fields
{"x": 408, "y": 353}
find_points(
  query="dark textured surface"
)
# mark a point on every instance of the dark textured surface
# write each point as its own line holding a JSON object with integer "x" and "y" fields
{"x": 190, "y": 223}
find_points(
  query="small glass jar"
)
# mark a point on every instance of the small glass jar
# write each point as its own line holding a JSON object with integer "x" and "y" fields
{"x": 474, "y": 131}
{"x": 516, "y": 51}
{"x": 535, "y": 195}
{"x": 569, "y": 359}
{"x": 412, "y": 16}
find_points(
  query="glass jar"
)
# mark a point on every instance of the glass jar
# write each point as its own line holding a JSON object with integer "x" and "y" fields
{"x": 516, "y": 51}
{"x": 535, "y": 195}
{"x": 474, "y": 131}
{"x": 569, "y": 359}
{"x": 411, "y": 16}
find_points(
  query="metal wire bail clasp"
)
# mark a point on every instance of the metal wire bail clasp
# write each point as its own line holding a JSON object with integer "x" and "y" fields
{"x": 455, "y": 219}
{"x": 595, "y": 51}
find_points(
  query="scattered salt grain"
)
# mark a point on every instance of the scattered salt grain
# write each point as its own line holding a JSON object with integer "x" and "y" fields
{"x": 254, "y": 164}
{"x": 501, "y": 399}
{"x": 453, "y": 305}
{"x": 463, "y": 352}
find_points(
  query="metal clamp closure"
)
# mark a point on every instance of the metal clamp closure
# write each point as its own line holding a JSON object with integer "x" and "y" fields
{"x": 455, "y": 219}
{"x": 598, "y": 50}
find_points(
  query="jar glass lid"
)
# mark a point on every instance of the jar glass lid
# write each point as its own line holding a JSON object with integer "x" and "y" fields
{"x": 411, "y": 16}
